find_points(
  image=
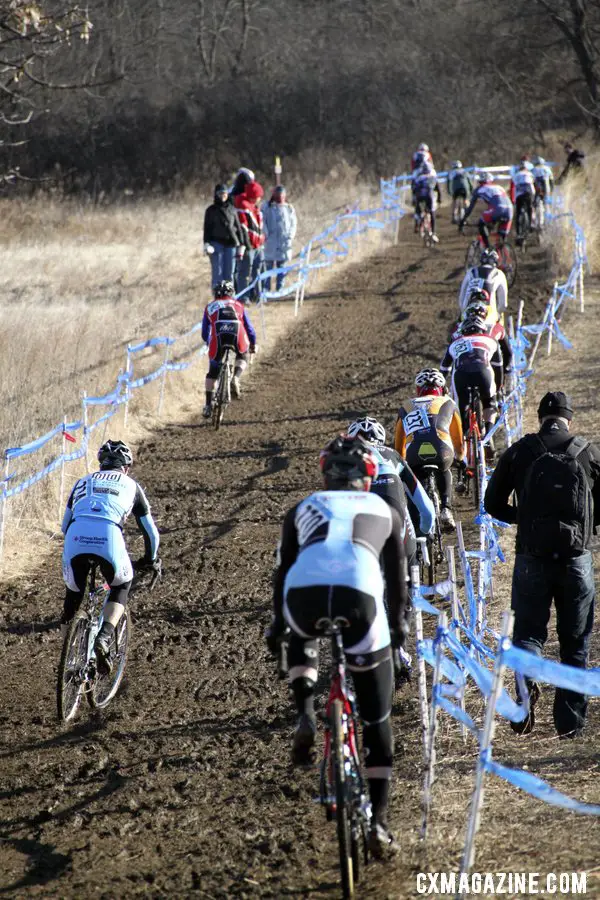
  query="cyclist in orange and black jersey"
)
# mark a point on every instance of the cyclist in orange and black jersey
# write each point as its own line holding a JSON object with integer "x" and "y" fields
{"x": 429, "y": 432}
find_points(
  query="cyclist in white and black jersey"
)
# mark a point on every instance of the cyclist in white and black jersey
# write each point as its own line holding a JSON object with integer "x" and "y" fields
{"x": 340, "y": 549}
{"x": 92, "y": 524}
{"x": 486, "y": 277}
{"x": 475, "y": 358}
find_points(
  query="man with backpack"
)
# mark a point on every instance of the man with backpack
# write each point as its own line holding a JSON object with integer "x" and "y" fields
{"x": 556, "y": 480}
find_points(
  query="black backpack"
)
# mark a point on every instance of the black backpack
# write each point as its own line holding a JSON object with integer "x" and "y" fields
{"x": 555, "y": 510}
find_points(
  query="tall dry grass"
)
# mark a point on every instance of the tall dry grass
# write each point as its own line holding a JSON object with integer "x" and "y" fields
{"x": 581, "y": 192}
{"x": 82, "y": 282}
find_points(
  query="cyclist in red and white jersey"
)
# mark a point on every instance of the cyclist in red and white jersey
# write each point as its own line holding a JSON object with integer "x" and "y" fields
{"x": 499, "y": 208}
{"x": 421, "y": 155}
{"x": 475, "y": 359}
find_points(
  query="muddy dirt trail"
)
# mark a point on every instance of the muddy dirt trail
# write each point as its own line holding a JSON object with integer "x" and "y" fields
{"x": 183, "y": 787}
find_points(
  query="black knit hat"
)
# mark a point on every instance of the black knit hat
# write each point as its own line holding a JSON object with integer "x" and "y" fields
{"x": 555, "y": 403}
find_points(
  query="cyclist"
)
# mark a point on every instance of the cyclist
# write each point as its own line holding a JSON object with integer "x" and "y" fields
{"x": 575, "y": 160}
{"x": 489, "y": 277}
{"x": 499, "y": 208}
{"x": 397, "y": 485}
{"x": 458, "y": 184}
{"x": 475, "y": 359}
{"x": 340, "y": 549}
{"x": 524, "y": 192}
{"x": 225, "y": 323}
{"x": 425, "y": 188}
{"x": 93, "y": 528}
{"x": 542, "y": 177}
{"x": 421, "y": 155}
{"x": 429, "y": 432}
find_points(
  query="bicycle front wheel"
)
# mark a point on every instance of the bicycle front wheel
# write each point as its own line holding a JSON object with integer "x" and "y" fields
{"x": 72, "y": 668}
{"x": 341, "y": 799}
{"x": 105, "y": 687}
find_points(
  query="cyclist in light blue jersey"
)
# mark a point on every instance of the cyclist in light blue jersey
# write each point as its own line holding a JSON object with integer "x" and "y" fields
{"x": 92, "y": 525}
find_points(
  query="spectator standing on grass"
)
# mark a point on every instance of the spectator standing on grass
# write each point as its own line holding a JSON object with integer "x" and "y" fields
{"x": 243, "y": 178}
{"x": 556, "y": 480}
{"x": 575, "y": 160}
{"x": 223, "y": 236}
{"x": 280, "y": 229}
{"x": 250, "y": 218}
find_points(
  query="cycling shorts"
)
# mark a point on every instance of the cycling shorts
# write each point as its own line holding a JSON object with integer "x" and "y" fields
{"x": 99, "y": 538}
{"x": 367, "y": 635}
{"x": 481, "y": 378}
{"x": 501, "y": 217}
{"x": 429, "y": 451}
{"x": 215, "y": 363}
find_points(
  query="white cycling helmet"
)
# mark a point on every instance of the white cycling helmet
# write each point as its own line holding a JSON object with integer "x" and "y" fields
{"x": 539, "y": 160}
{"x": 484, "y": 177}
{"x": 456, "y": 164}
{"x": 430, "y": 378}
{"x": 423, "y": 147}
{"x": 369, "y": 429}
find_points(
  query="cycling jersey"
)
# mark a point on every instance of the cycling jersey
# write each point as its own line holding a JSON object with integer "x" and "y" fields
{"x": 496, "y": 199}
{"x": 543, "y": 179}
{"x": 344, "y": 539}
{"x": 490, "y": 279}
{"x": 92, "y": 524}
{"x": 424, "y": 185}
{"x": 471, "y": 352}
{"x": 420, "y": 157}
{"x": 523, "y": 184}
{"x": 225, "y": 323}
{"x": 429, "y": 420}
{"x": 459, "y": 183}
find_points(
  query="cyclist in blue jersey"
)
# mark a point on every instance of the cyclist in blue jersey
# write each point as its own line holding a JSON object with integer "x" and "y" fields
{"x": 425, "y": 189}
{"x": 340, "y": 549}
{"x": 93, "y": 528}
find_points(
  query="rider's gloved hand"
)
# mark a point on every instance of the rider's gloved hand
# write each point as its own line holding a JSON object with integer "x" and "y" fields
{"x": 146, "y": 564}
{"x": 273, "y": 635}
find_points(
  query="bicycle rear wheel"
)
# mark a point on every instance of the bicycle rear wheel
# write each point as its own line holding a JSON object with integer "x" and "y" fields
{"x": 105, "y": 687}
{"x": 72, "y": 668}
{"x": 223, "y": 395}
{"x": 473, "y": 255}
{"x": 341, "y": 796}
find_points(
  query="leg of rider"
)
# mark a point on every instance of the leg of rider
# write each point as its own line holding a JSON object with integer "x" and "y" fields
{"x": 303, "y": 663}
{"x": 75, "y": 573}
{"x": 374, "y": 691}
{"x": 211, "y": 379}
{"x": 431, "y": 211}
{"x": 241, "y": 362}
{"x": 117, "y": 570}
{"x": 484, "y": 233}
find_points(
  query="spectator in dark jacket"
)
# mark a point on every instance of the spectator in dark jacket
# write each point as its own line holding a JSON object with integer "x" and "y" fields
{"x": 575, "y": 160}
{"x": 223, "y": 236}
{"x": 552, "y": 559}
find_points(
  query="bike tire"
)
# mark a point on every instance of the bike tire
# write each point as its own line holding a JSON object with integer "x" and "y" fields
{"x": 473, "y": 255}
{"x": 476, "y": 471}
{"x": 341, "y": 798}
{"x": 508, "y": 262}
{"x": 71, "y": 668}
{"x": 104, "y": 687}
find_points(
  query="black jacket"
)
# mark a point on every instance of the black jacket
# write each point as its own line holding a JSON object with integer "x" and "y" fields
{"x": 509, "y": 474}
{"x": 221, "y": 224}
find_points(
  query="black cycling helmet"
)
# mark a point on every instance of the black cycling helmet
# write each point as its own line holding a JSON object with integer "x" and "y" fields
{"x": 489, "y": 257}
{"x": 473, "y": 325}
{"x": 114, "y": 455}
{"x": 347, "y": 462}
{"x": 224, "y": 289}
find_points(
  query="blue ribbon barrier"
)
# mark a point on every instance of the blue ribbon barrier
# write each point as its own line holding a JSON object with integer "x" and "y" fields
{"x": 535, "y": 786}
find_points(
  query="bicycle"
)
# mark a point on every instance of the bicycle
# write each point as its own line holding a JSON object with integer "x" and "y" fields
{"x": 504, "y": 249}
{"x": 78, "y": 673}
{"x": 474, "y": 418}
{"x": 425, "y": 229}
{"x": 222, "y": 397}
{"x": 342, "y": 790}
{"x": 523, "y": 227}
{"x": 539, "y": 214}
{"x": 434, "y": 543}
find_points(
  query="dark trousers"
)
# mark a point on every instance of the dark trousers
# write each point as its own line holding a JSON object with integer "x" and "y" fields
{"x": 570, "y": 583}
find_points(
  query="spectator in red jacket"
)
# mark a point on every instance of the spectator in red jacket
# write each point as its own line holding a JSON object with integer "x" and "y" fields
{"x": 251, "y": 222}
